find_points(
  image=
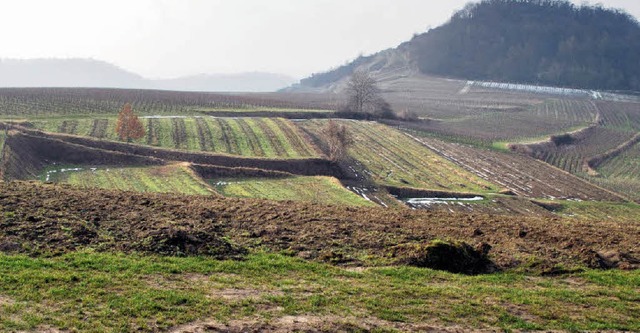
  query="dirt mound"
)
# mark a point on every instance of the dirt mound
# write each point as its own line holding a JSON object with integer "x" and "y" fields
{"x": 184, "y": 241}
{"x": 609, "y": 259}
{"x": 451, "y": 256}
{"x": 49, "y": 218}
{"x": 55, "y": 219}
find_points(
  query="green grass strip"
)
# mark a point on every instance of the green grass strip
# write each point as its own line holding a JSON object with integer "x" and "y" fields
{"x": 98, "y": 292}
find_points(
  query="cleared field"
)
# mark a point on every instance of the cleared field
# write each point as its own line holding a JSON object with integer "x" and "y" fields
{"x": 550, "y": 117}
{"x": 389, "y": 157}
{"x": 255, "y": 137}
{"x": 49, "y": 218}
{"x": 162, "y": 179}
{"x": 44, "y": 102}
{"x": 522, "y": 175}
{"x": 326, "y": 190}
{"x": 455, "y": 109}
{"x": 437, "y": 98}
{"x": 621, "y": 116}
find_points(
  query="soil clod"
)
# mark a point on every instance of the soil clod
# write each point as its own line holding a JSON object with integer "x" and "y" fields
{"x": 451, "y": 256}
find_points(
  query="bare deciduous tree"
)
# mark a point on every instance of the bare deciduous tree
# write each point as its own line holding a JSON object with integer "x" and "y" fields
{"x": 363, "y": 92}
{"x": 337, "y": 138}
{"x": 364, "y": 96}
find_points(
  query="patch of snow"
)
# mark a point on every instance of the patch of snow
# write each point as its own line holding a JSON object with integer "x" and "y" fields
{"x": 63, "y": 170}
{"x": 420, "y": 201}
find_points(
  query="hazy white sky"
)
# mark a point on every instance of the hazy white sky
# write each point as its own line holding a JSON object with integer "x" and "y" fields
{"x": 169, "y": 38}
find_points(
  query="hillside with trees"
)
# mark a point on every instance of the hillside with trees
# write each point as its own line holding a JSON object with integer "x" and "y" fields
{"x": 546, "y": 42}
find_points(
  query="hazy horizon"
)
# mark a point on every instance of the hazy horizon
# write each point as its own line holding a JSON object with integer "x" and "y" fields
{"x": 169, "y": 39}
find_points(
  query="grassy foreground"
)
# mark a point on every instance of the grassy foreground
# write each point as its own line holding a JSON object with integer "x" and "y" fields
{"x": 98, "y": 292}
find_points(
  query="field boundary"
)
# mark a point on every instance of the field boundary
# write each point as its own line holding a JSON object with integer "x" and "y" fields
{"x": 215, "y": 171}
{"x": 269, "y": 114}
{"x": 411, "y": 192}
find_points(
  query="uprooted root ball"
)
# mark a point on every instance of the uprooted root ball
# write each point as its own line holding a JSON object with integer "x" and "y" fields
{"x": 451, "y": 256}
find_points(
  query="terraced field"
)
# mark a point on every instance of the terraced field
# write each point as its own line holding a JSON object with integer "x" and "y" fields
{"x": 389, "y": 157}
{"x": 163, "y": 179}
{"x": 571, "y": 156}
{"x": 522, "y": 175}
{"x": 326, "y": 190}
{"x": 255, "y": 137}
{"x": 600, "y": 153}
{"x": 622, "y": 173}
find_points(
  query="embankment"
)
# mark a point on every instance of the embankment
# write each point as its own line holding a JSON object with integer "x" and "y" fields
{"x": 304, "y": 167}
{"x": 26, "y": 155}
{"x": 409, "y": 192}
{"x": 272, "y": 114}
{"x": 214, "y": 171}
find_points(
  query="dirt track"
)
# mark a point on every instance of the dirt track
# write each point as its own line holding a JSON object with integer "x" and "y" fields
{"x": 44, "y": 218}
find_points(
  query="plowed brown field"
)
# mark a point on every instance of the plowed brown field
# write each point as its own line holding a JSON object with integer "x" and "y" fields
{"x": 44, "y": 218}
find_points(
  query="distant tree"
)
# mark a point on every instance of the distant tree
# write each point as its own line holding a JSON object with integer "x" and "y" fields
{"x": 337, "y": 138}
{"x": 364, "y": 95}
{"x": 129, "y": 127}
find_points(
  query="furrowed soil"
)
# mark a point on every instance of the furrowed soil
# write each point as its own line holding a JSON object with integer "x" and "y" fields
{"x": 52, "y": 219}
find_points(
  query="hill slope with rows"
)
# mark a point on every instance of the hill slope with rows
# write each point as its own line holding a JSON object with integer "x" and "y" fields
{"x": 389, "y": 157}
{"x": 255, "y": 137}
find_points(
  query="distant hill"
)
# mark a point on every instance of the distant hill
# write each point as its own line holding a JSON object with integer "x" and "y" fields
{"x": 100, "y": 74}
{"x": 66, "y": 73}
{"x": 545, "y": 42}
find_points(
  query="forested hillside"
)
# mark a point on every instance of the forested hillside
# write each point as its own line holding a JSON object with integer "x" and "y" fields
{"x": 547, "y": 42}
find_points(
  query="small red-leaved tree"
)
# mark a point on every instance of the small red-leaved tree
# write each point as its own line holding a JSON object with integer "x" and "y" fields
{"x": 129, "y": 127}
